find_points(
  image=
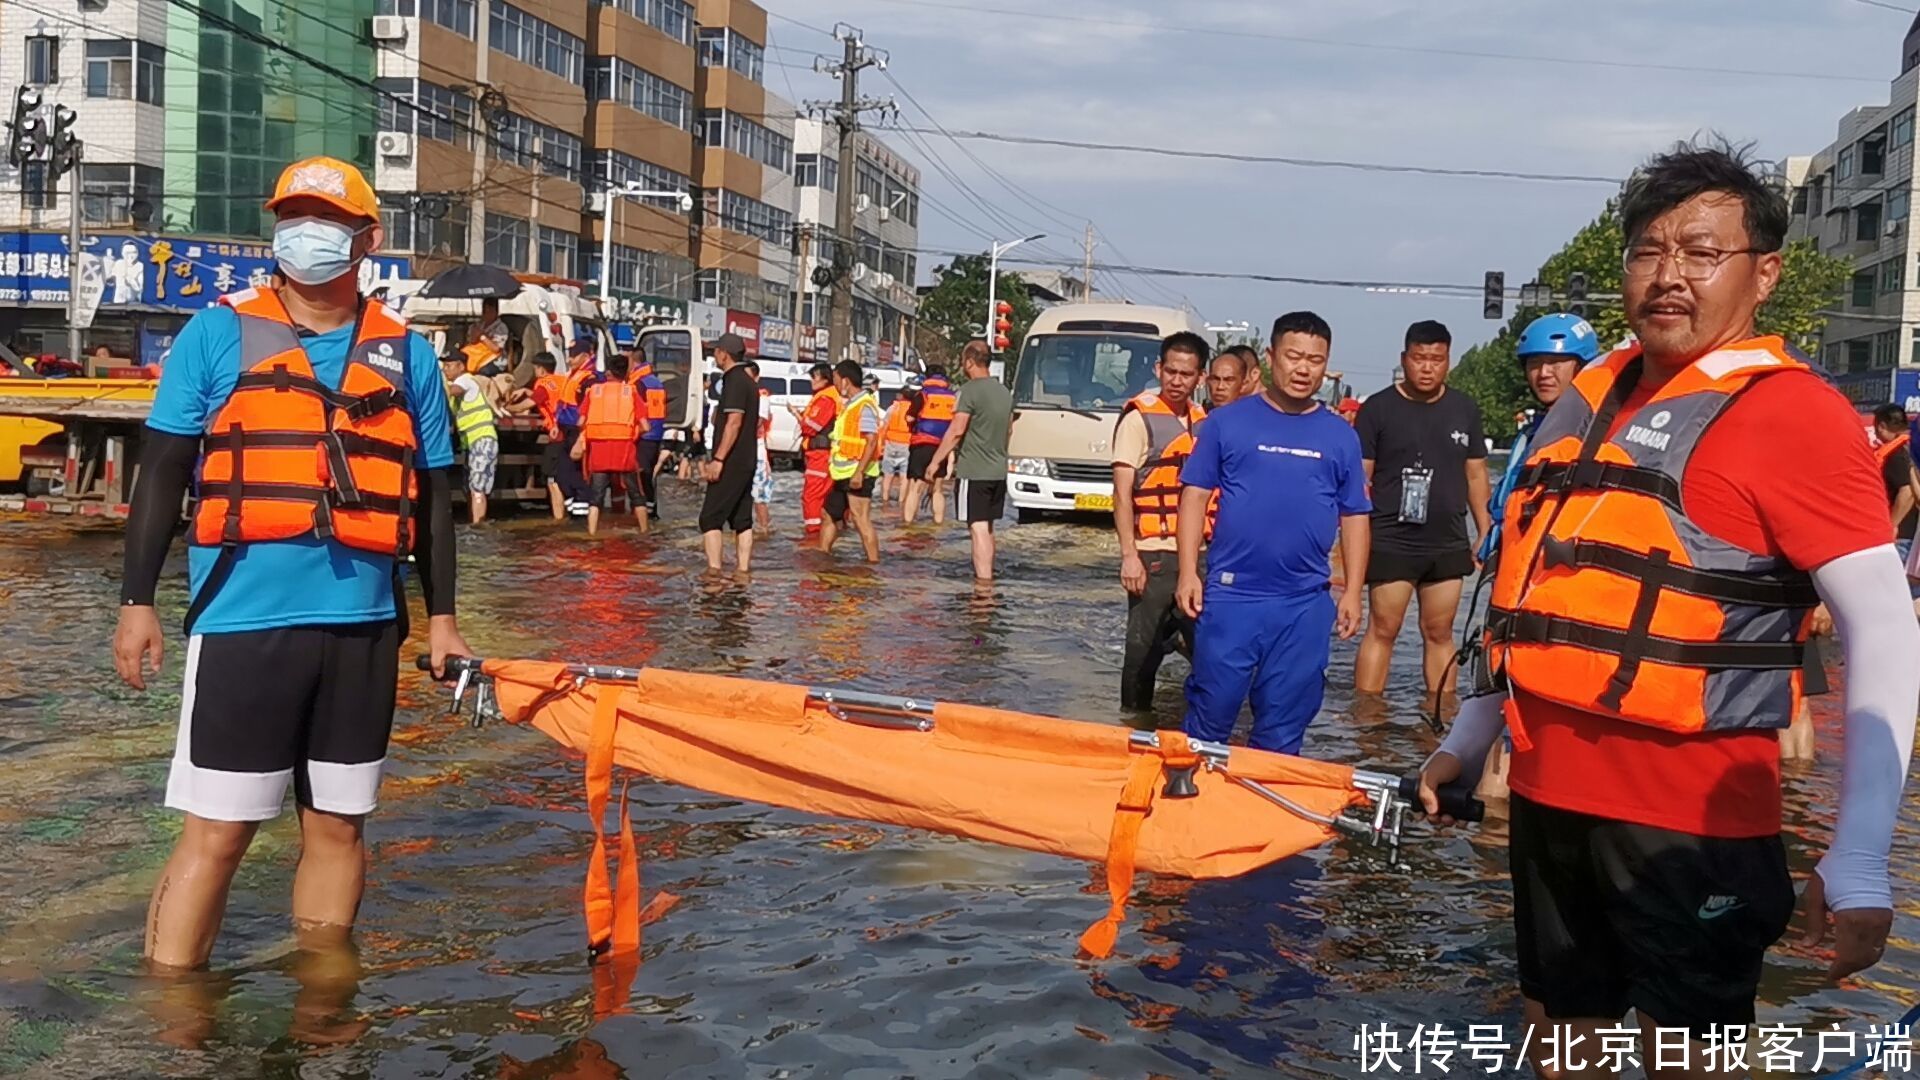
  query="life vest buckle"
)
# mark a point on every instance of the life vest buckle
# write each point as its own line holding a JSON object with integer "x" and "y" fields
{"x": 1557, "y": 554}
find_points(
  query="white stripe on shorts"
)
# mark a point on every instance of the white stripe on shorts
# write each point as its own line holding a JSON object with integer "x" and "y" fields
{"x": 215, "y": 794}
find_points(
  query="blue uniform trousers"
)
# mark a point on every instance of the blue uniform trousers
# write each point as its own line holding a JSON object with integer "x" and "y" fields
{"x": 1275, "y": 649}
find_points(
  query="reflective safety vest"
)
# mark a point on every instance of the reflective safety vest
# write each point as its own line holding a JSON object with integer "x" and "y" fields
{"x": 653, "y": 393}
{"x": 822, "y": 435}
{"x": 1609, "y": 598}
{"x": 473, "y": 418}
{"x": 899, "y": 431}
{"x": 1156, "y": 484}
{"x": 937, "y": 401}
{"x": 573, "y": 391}
{"x": 1889, "y": 448}
{"x": 547, "y": 391}
{"x": 288, "y": 456}
{"x": 849, "y": 444}
{"x": 611, "y": 413}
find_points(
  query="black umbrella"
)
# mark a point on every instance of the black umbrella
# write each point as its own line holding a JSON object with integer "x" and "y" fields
{"x": 472, "y": 283}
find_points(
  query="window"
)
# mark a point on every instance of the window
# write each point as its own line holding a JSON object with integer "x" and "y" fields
{"x": 536, "y": 41}
{"x": 1886, "y": 348}
{"x": 622, "y": 168}
{"x": 732, "y": 210}
{"x": 1873, "y": 154}
{"x": 43, "y": 59}
{"x": 868, "y": 181}
{"x": 530, "y": 144}
{"x": 506, "y": 241}
{"x": 1862, "y": 292}
{"x": 649, "y": 272}
{"x": 713, "y": 127}
{"x": 816, "y": 170}
{"x": 35, "y": 194}
{"x": 743, "y": 136}
{"x": 673, "y": 18}
{"x": 429, "y": 226}
{"x": 713, "y": 46}
{"x": 122, "y": 69}
{"x": 745, "y": 57}
{"x": 1893, "y": 276}
{"x": 1866, "y": 222}
{"x": 1859, "y": 354}
{"x": 443, "y": 114}
{"x": 1818, "y": 204}
{"x": 1898, "y": 204}
{"x": 455, "y": 15}
{"x": 559, "y": 252}
{"x": 1900, "y": 133}
{"x": 709, "y": 286}
{"x": 1843, "y": 170}
{"x": 118, "y": 194}
{"x": 614, "y": 79}
{"x": 902, "y": 201}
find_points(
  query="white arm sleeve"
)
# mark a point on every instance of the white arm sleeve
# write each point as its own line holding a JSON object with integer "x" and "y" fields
{"x": 1872, "y": 615}
{"x": 1478, "y": 723}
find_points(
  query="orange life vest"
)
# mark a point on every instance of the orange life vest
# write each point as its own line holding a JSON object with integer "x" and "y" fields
{"x": 288, "y": 456}
{"x": 1156, "y": 484}
{"x": 611, "y": 413}
{"x": 816, "y": 426}
{"x": 899, "y": 431}
{"x": 573, "y": 390}
{"x": 549, "y": 402}
{"x": 935, "y": 415}
{"x": 1608, "y": 598}
{"x": 1889, "y": 448}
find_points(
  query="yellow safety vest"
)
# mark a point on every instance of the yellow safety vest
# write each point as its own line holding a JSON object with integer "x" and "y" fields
{"x": 849, "y": 444}
{"x": 473, "y": 419}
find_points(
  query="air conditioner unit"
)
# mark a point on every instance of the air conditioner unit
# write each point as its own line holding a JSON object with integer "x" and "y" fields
{"x": 596, "y": 202}
{"x": 394, "y": 144}
{"x": 389, "y": 28}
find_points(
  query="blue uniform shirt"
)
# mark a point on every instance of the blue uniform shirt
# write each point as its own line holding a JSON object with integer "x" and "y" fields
{"x": 307, "y": 581}
{"x": 1285, "y": 481}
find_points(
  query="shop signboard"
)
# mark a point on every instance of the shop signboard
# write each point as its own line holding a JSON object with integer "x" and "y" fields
{"x": 169, "y": 272}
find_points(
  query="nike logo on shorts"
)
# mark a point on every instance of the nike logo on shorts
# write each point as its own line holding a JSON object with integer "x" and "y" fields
{"x": 1717, "y": 906}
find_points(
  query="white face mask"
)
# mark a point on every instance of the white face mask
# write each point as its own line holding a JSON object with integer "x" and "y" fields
{"x": 313, "y": 250}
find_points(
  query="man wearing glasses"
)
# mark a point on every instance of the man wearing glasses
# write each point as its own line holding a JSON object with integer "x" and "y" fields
{"x": 1682, "y": 509}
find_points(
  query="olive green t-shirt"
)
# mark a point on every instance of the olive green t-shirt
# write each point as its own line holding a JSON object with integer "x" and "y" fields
{"x": 988, "y": 407}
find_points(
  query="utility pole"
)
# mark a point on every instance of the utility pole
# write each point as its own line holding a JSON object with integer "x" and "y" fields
{"x": 846, "y": 112}
{"x": 1086, "y": 271}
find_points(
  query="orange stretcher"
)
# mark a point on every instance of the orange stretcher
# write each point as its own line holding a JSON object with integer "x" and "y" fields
{"x": 1135, "y": 800}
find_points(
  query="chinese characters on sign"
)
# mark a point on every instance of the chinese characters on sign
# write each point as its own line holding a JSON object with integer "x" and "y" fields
{"x": 1439, "y": 1049}
{"x": 173, "y": 272}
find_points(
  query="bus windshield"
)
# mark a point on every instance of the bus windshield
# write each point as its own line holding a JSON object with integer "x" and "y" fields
{"x": 1084, "y": 371}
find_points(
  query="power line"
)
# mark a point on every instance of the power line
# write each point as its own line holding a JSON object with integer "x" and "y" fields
{"x": 1889, "y": 7}
{"x": 1266, "y": 159}
{"x": 1555, "y": 60}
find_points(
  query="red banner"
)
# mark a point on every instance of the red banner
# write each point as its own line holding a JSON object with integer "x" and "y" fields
{"x": 748, "y": 327}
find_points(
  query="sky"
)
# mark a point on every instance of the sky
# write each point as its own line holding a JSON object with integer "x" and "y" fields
{"x": 1380, "y": 81}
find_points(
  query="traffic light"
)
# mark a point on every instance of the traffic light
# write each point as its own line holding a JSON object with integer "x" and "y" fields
{"x": 66, "y": 145}
{"x": 1493, "y": 303}
{"x": 1577, "y": 293}
{"x": 24, "y": 134}
{"x": 1002, "y": 323}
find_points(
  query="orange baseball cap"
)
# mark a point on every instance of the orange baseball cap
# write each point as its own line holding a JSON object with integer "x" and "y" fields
{"x": 331, "y": 181}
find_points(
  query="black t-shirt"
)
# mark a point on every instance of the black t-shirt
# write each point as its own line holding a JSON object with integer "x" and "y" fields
{"x": 1899, "y": 466}
{"x": 738, "y": 394}
{"x": 1398, "y": 433}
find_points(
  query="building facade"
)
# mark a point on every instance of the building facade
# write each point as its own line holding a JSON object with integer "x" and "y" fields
{"x": 745, "y": 247}
{"x": 1854, "y": 199}
{"x": 886, "y": 236}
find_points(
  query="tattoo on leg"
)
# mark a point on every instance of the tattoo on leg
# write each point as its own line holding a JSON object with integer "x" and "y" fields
{"x": 153, "y": 920}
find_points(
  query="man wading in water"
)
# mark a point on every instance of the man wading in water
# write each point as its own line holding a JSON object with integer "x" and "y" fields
{"x": 1707, "y": 483}
{"x": 297, "y": 613}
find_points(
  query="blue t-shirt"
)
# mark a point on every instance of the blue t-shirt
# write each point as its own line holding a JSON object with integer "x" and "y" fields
{"x": 1285, "y": 481}
{"x": 307, "y": 581}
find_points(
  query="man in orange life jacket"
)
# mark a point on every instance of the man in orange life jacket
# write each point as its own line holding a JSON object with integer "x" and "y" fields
{"x": 319, "y": 430}
{"x": 930, "y": 414}
{"x": 653, "y": 395}
{"x": 1150, "y": 442}
{"x": 1682, "y": 509}
{"x": 816, "y": 435}
{"x": 548, "y": 386}
{"x": 581, "y": 373}
{"x": 611, "y": 418}
{"x": 894, "y": 456}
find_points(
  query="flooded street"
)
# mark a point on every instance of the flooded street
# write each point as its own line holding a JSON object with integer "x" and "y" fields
{"x": 801, "y": 947}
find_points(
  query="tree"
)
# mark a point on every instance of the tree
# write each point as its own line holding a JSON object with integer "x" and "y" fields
{"x": 1490, "y": 372}
{"x": 954, "y": 311}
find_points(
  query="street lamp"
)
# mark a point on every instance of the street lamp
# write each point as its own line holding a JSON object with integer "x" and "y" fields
{"x": 993, "y": 283}
{"x": 629, "y": 190}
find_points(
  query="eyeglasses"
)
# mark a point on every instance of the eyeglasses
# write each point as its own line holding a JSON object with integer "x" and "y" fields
{"x": 1694, "y": 262}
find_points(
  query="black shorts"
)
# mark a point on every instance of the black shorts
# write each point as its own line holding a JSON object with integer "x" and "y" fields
{"x": 553, "y": 457}
{"x": 982, "y": 500}
{"x": 1610, "y": 915}
{"x": 307, "y": 705}
{"x": 919, "y": 456}
{"x": 728, "y": 502}
{"x": 1421, "y": 568}
{"x": 603, "y": 483}
{"x": 840, "y": 497}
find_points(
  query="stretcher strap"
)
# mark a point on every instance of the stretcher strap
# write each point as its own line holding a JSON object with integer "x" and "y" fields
{"x": 1136, "y": 802}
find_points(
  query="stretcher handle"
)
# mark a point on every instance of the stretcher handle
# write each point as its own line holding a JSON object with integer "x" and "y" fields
{"x": 455, "y": 664}
{"x": 1456, "y": 799}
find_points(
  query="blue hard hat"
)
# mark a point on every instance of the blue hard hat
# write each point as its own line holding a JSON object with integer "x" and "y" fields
{"x": 1559, "y": 334}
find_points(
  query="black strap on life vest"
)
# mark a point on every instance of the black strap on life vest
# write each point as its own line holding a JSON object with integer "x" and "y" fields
{"x": 1533, "y": 628}
{"x": 1725, "y": 587}
{"x": 1559, "y": 478}
{"x": 236, "y": 438}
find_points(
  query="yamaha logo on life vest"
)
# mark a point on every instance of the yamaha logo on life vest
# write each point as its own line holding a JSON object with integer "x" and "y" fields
{"x": 381, "y": 356}
{"x": 1647, "y": 437}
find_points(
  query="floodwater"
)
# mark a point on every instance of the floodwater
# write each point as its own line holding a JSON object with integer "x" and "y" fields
{"x": 801, "y": 947}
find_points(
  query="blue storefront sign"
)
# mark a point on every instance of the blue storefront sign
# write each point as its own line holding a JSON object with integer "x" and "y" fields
{"x": 177, "y": 272}
{"x": 1906, "y": 389}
